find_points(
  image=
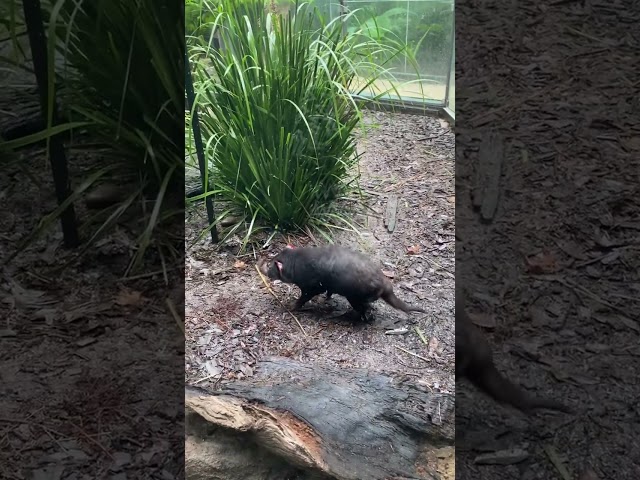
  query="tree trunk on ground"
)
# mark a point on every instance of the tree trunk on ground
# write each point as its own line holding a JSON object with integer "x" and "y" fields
{"x": 297, "y": 421}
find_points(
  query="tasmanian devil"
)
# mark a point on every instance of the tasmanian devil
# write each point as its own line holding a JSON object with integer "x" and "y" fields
{"x": 334, "y": 269}
{"x": 474, "y": 361}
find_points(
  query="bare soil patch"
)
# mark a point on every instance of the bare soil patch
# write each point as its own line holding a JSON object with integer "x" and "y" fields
{"x": 232, "y": 320}
{"x": 558, "y": 268}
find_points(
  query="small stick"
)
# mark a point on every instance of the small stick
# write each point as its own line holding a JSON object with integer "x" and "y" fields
{"x": 207, "y": 378}
{"x": 412, "y": 354}
{"x": 422, "y": 337}
{"x": 144, "y": 275}
{"x": 92, "y": 440}
{"x": 48, "y": 432}
{"x": 174, "y": 312}
{"x": 402, "y": 182}
{"x": 318, "y": 331}
{"x": 555, "y": 460}
{"x": 577, "y": 288}
{"x": 264, "y": 280}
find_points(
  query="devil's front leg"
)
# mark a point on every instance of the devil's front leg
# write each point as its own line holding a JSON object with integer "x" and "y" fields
{"x": 307, "y": 293}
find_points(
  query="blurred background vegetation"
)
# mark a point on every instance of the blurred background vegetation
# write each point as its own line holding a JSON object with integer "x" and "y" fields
{"x": 119, "y": 73}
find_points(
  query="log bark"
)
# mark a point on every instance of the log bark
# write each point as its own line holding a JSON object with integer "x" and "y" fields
{"x": 324, "y": 421}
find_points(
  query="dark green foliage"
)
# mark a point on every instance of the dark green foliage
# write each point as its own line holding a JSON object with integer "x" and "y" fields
{"x": 126, "y": 71}
{"x": 277, "y": 115}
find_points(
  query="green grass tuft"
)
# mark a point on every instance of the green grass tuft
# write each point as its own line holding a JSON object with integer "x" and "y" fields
{"x": 278, "y": 113}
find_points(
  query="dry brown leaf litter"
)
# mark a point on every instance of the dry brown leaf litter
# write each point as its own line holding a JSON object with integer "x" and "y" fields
{"x": 559, "y": 265}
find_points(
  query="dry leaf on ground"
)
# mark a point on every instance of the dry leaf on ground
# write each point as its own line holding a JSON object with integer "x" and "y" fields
{"x": 413, "y": 250}
{"x": 130, "y": 298}
{"x": 542, "y": 263}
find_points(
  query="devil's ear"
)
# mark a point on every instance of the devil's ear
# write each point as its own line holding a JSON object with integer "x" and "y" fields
{"x": 279, "y": 266}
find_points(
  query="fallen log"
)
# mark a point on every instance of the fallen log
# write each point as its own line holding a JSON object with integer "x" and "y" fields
{"x": 293, "y": 420}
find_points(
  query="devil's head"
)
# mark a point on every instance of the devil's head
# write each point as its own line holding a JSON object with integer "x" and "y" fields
{"x": 275, "y": 269}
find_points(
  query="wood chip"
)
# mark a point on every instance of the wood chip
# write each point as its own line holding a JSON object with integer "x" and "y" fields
{"x": 83, "y": 342}
{"x": 491, "y": 155}
{"x": 397, "y": 331}
{"x": 391, "y": 213}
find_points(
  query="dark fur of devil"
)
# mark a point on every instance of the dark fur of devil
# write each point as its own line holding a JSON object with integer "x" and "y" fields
{"x": 333, "y": 269}
{"x": 474, "y": 361}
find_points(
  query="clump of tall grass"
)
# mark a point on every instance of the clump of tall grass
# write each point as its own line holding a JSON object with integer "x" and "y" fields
{"x": 278, "y": 114}
{"x": 125, "y": 68}
{"x": 129, "y": 69}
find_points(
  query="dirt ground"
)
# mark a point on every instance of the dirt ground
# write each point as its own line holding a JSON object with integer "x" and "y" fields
{"x": 91, "y": 364}
{"x": 558, "y": 268}
{"x": 232, "y": 320}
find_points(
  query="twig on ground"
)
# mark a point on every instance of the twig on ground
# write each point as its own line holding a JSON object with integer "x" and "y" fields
{"x": 311, "y": 236}
{"x": 176, "y": 316}
{"x": 318, "y": 330}
{"x": 415, "y": 178}
{"x": 144, "y": 275}
{"x": 555, "y": 460}
{"x": 264, "y": 280}
{"x": 421, "y": 335}
{"x": 372, "y": 192}
{"x": 577, "y": 288}
{"x": 412, "y": 354}
{"x": 91, "y": 439}
{"x": 208, "y": 377}
{"x": 54, "y": 439}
